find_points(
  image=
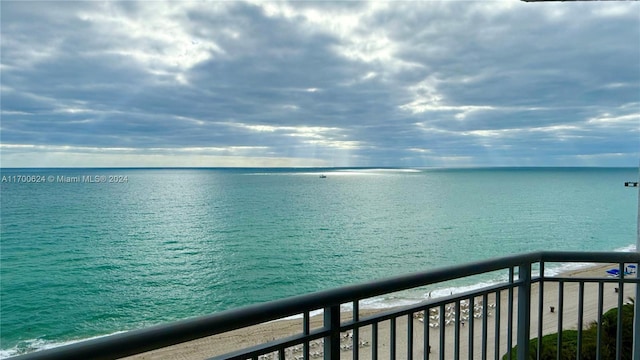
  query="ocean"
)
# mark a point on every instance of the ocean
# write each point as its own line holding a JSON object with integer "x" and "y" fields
{"x": 91, "y": 252}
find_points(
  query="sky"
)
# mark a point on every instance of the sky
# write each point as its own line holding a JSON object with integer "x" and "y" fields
{"x": 319, "y": 84}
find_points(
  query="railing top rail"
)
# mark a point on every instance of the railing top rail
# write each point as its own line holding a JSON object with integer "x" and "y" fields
{"x": 593, "y": 256}
{"x": 137, "y": 341}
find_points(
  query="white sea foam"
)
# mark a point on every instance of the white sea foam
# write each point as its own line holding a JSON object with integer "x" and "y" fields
{"x": 629, "y": 248}
{"x": 421, "y": 295}
{"x": 388, "y": 227}
{"x": 567, "y": 267}
{"x": 33, "y": 345}
{"x": 417, "y": 297}
{"x": 300, "y": 316}
{"x": 376, "y": 303}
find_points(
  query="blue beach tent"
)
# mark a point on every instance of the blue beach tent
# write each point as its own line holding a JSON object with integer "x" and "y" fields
{"x": 613, "y": 272}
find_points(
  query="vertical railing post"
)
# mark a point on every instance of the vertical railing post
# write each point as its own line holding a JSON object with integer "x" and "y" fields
{"x": 524, "y": 310}
{"x": 620, "y": 303}
{"x": 636, "y": 304}
{"x": 332, "y": 341}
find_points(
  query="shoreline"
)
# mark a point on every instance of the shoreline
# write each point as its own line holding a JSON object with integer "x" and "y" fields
{"x": 203, "y": 348}
{"x": 223, "y": 343}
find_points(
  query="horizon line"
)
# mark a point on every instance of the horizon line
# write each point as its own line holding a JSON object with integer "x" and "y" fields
{"x": 327, "y": 167}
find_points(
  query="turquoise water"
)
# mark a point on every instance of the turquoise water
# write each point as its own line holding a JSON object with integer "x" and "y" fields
{"x": 83, "y": 259}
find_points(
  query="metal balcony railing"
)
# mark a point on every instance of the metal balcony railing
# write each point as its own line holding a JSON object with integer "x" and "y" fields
{"x": 481, "y": 324}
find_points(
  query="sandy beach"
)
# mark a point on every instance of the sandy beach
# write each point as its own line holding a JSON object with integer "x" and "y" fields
{"x": 242, "y": 338}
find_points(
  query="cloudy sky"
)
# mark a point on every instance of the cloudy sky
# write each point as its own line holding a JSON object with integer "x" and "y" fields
{"x": 402, "y": 83}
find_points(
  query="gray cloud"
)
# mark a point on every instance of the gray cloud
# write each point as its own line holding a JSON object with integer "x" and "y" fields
{"x": 323, "y": 83}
